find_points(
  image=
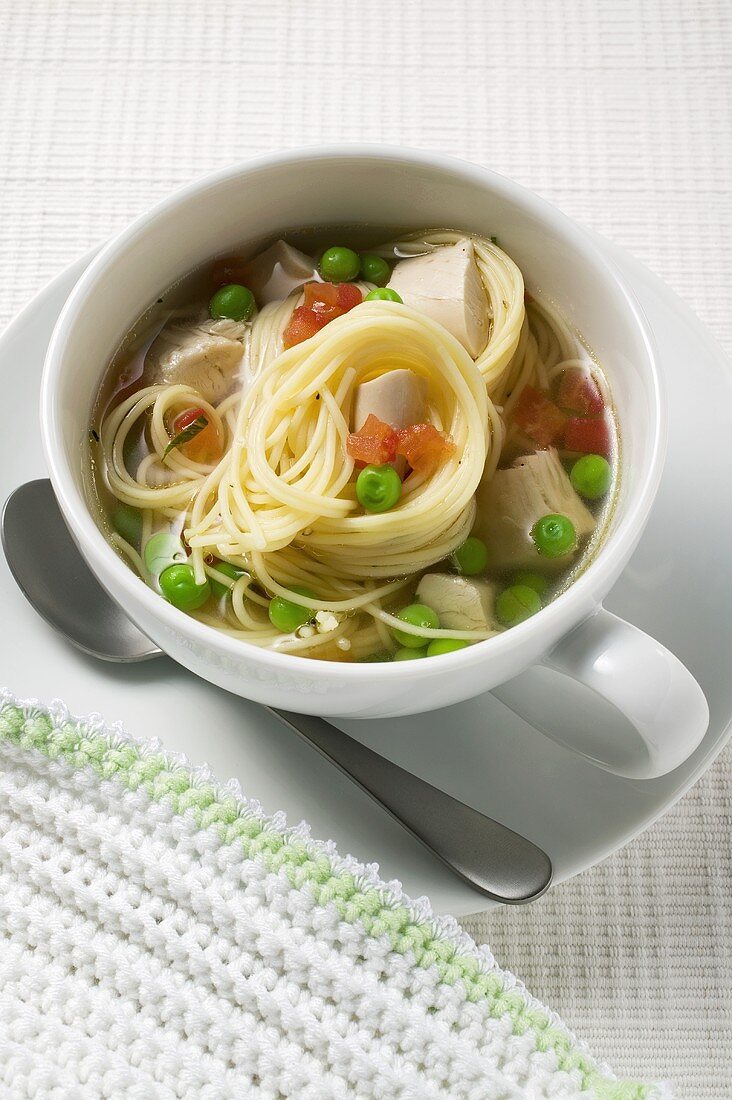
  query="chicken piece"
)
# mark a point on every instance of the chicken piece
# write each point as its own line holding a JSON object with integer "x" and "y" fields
{"x": 204, "y": 355}
{"x": 511, "y": 502}
{"x": 276, "y": 272}
{"x": 462, "y": 603}
{"x": 446, "y": 286}
{"x": 397, "y": 397}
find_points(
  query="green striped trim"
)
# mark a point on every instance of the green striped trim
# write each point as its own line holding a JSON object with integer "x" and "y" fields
{"x": 303, "y": 864}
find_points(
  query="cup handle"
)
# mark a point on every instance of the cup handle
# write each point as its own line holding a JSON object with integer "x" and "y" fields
{"x": 614, "y": 695}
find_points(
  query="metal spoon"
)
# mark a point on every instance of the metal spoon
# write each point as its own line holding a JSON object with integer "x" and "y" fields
{"x": 48, "y": 568}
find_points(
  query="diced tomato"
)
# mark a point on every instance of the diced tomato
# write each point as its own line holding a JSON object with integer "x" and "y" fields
{"x": 588, "y": 436}
{"x": 303, "y": 324}
{"x": 348, "y": 296}
{"x": 424, "y": 447}
{"x": 579, "y": 392}
{"x": 321, "y": 297}
{"x": 335, "y": 297}
{"x": 205, "y": 445}
{"x": 323, "y": 303}
{"x": 538, "y": 416}
{"x": 185, "y": 419}
{"x": 229, "y": 269}
{"x": 376, "y": 443}
{"x": 373, "y": 444}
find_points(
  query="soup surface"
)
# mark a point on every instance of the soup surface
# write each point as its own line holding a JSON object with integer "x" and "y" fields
{"x": 356, "y": 452}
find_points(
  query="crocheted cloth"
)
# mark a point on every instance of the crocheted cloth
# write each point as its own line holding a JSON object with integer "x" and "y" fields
{"x": 161, "y": 937}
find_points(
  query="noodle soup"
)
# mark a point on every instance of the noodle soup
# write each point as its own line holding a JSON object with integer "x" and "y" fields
{"x": 361, "y": 452}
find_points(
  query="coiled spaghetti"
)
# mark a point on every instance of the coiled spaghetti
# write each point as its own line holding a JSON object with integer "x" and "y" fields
{"x": 287, "y": 475}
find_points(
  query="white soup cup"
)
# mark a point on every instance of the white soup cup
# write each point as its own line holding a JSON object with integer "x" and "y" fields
{"x": 574, "y": 670}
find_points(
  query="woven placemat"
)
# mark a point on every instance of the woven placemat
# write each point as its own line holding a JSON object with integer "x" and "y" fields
{"x": 161, "y": 937}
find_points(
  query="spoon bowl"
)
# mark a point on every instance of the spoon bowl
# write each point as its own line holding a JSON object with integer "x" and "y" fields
{"x": 55, "y": 579}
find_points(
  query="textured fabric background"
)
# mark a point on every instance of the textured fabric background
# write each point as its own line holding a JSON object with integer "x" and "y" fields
{"x": 617, "y": 110}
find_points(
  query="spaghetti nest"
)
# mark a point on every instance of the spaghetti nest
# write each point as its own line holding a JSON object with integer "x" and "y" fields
{"x": 287, "y": 482}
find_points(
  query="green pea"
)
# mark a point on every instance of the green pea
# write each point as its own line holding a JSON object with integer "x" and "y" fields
{"x": 220, "y": 589}
{"x": 533, "y": 580}
{"x": 234, "y": 302}
{"x": 445, "y": 645}
{"x": 375, "y": 658}
{"x": 288, "y": 616}
{"x": 374, "y": 269}
{"x": 339, "y": 265}
{"x": 417, "y": 614}
{"x": 471, "y": 558}
{"x": 407, "y": 654}
{"x": 517, "y": 603}
{"x": 383, "y": 294}
{"x": 178, "y": 585}
{"x": 554, "y": 536}
{"x": 591, "y": 476}
{"x": 161, "y": 550}
{"x": 378, "y": 488}
{"x": 127, "y": 522}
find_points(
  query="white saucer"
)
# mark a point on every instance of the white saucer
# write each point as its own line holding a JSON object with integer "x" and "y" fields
{"x": 677, "y": 587}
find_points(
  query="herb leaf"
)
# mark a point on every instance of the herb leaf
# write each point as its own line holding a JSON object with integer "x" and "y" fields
{"x": 189, "y": 432}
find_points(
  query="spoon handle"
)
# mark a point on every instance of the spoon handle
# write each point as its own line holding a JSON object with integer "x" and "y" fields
{"x": 490, "y": 857}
